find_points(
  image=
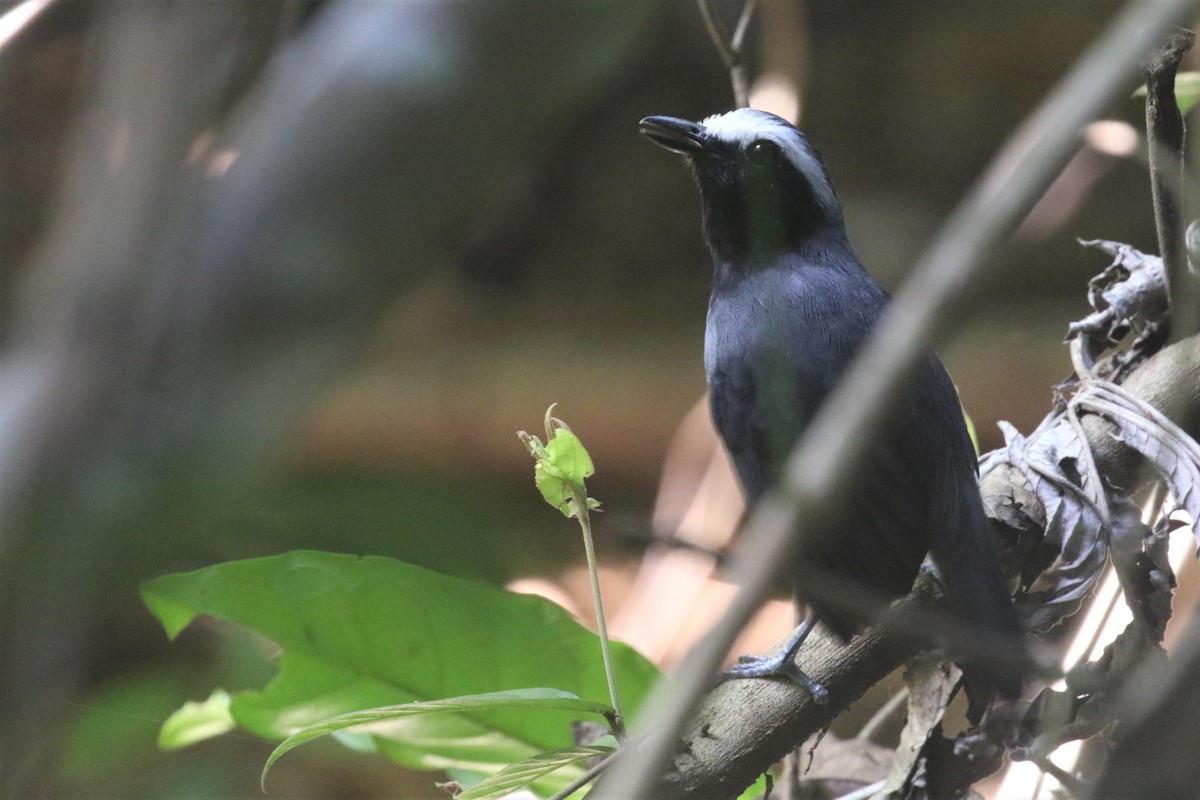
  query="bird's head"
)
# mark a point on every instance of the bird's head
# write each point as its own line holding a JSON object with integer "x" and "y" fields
{"x": 764, "y": 187}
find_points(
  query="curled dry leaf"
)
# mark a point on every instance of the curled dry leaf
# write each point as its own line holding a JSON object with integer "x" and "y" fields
{"x": 1087, "y": 521}
{"x": 1083, "y": 518}
{"x": 1073, "y": 525}
{"x": 1174, "y": 454}
{"x": 1130, "y": 294}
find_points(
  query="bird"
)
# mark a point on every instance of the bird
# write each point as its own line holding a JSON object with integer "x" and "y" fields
{"x": 790, "y": 306}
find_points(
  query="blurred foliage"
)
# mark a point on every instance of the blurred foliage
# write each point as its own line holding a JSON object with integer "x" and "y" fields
{"x": 419, "y": 518}
{"x": 119, "y": 722}
{"x": 196, "y": 721}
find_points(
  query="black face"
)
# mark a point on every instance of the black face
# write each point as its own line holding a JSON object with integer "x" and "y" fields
{"x": 757, "y": 203}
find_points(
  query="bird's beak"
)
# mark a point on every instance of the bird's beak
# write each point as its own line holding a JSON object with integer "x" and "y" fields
{"x": 676, "y": 135}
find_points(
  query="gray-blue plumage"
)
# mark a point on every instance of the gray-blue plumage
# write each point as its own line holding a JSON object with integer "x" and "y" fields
{"x": 791, "y": 305}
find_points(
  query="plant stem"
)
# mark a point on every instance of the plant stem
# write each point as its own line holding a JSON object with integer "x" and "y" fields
{"x": 583, "y": 780}
{"x": 606, "y": 651}
{"x": 730, "y": 50}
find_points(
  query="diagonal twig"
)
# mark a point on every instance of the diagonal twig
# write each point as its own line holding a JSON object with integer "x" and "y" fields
{"x": 730, "y": 49}
{"x": 583, "y": 780}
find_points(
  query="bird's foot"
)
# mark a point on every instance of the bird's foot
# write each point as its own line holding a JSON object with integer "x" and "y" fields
{"x": 780, "y": 666}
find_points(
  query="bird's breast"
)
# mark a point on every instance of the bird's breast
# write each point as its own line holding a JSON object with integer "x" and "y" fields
{"x": 783, "y": 319}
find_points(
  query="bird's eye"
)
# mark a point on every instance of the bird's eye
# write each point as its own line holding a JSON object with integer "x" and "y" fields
{"x": 762, "y": 153}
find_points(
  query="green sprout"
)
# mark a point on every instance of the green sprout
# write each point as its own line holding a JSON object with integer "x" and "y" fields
{"x": 562, "y": 464}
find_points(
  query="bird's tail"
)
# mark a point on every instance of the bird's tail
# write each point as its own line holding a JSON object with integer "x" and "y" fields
{"x": 978, "y": 595}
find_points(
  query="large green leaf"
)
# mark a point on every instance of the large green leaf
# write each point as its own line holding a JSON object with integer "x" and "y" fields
{"x": 359, "y": 633}
{"x": 518, "y": 776}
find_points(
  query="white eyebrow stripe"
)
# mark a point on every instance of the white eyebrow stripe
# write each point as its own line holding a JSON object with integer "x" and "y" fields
{"x": 746, "y": 125}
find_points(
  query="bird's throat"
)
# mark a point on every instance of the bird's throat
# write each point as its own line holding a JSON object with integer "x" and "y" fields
{"x": 753, "y": 230}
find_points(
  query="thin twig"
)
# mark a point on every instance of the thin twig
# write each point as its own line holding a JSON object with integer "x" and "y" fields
{"x": 739, "y": 75}
{"x": 825, "y": 461}
{"x": 739, "y": 33}
{"x": 730, "y": 50}
{"x": 583, "y": 780}
{"x": 865, "y": 792}
{"x": 719, "y": 40}
{"x": 1076, "y": 787}
{"x": 882, "y": 715}
{"x": 1164, "y": 134}
{"x": 1037, "y": 786}
{"x": 581, "y": 509}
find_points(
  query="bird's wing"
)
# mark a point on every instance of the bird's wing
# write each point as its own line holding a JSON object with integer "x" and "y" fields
{"x": 735, "y": 413}
{"x": 887, "y": 523}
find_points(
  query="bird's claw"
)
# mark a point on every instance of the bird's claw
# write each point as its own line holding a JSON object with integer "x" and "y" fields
{"x": 820, "y": 694}
{"x": 778, "y": 667}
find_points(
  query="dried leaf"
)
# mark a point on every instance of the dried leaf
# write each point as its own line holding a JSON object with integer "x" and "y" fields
{"x": 1131, "y": 293}
{"x": 1174, "y": 454}
{"x": 1074, "y": 526}
{"x": 930, "y": 686}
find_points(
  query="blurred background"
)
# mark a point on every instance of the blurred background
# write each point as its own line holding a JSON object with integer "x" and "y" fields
{"x": 282, "y": 274}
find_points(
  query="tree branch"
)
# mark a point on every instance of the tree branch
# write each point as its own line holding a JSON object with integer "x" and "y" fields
{"x": 823, "y": 466}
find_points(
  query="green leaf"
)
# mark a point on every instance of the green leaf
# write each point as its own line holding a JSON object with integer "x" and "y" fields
{"x": 554, "y": 488}
{"x": 173, "y": 616}
{"x": 562, "y": 465}
{"x": 755, "y": 790}
{"x": 971, "y": 431}
{"x": 1187, "y": 90}
{"x": 195, "y": 722}
{"x": 518, "y": 776}
{"x": 569, "y": 457}
{"x": 107, "y": 740}
{"x": 359, "y": 633}
{"x": 538, "y": 699}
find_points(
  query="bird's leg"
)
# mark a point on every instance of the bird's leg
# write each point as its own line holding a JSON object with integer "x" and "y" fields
{"x": 783, "y": 665}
